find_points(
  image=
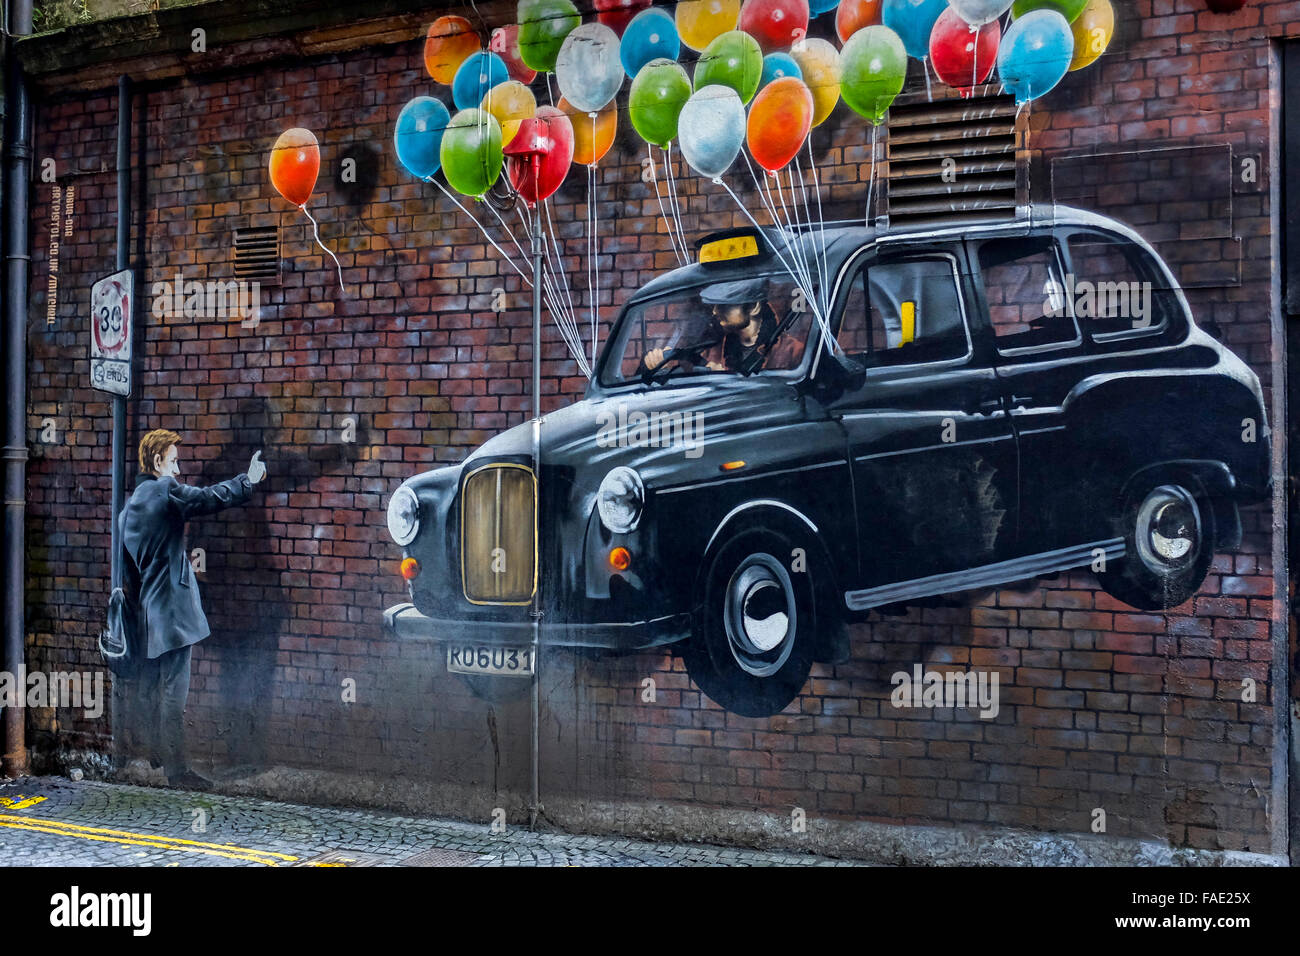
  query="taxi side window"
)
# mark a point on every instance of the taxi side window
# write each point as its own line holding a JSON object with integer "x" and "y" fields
{"x": 904, "y": 312}
{"x": 1025, "y": 291}
{"x": 1116, "y": 290}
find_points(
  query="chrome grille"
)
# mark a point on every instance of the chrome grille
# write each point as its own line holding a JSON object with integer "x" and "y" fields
{"x": 498, "y": 534}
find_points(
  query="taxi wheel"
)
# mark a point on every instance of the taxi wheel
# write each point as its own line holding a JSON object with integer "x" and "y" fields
{"x": 1168, "y": 531}
{"x": 753, "y": 648}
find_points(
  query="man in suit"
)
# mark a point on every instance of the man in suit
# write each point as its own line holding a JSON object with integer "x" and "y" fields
{"x": 157, "y": 576}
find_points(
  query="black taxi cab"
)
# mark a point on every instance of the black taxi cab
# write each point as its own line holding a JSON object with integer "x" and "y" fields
{"x": 797, "y": 429}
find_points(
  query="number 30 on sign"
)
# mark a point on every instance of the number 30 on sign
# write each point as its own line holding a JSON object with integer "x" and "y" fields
{"x": 110, "y": 333}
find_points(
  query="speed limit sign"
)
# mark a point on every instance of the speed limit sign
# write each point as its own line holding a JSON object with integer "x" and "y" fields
{"x": 110, "y": 333}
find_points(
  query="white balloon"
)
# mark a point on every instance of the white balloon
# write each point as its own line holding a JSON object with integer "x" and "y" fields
{"x": 711, "y": 129}
{"x": 588, "y": 67}
{"x": 979, "y": 12}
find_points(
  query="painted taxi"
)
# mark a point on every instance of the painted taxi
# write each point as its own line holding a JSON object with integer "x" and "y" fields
{"x": 889, "y": 418}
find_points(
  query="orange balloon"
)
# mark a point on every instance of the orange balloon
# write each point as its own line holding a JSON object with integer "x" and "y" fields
{"x": 779, "y": 121}
{"x": 853, "y": 15}
{"x": 592, "y": 138}
{"x": 295, "y": 164}
{"x": 450, "y": 42}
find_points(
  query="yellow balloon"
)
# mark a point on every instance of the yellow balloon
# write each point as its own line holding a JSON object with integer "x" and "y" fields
{"x": 700, "y": 22}
{"x": 1092, "y": 32}
{"x": 820, "y": 63}
{"x": 511, "y": 103}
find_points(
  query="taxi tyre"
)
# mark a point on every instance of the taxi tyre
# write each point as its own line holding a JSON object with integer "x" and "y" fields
{"x": 739, "y": 655}
{"x": 1153, "y": 575}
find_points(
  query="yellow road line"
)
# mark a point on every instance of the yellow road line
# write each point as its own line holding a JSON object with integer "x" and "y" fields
{"x": 129, "y": 838}
{"x": 19, "y": 802}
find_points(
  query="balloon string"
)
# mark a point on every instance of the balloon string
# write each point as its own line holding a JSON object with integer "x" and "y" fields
{"x": 554, "y": 303}
{"x": 817, "y": 191}
{"x": 569, "y": 327}
{"x": 871, "y": 176}
{"x": 559, "y": 266}
{"x": 817, "y": 238}
{"x": 474, "y": 220}
{"x": 315, "y": 232}
{"x": 663, "y": 215}
{"x": 676, "y": 205}
{"x": 800, "y": 258}
{"x": 925, "y": 68}
{"x": 595, "y": 256}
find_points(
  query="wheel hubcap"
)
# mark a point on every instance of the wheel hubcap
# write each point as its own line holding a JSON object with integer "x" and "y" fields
{"x": 1168, "y": 530}
{"x": 760, "y": 615}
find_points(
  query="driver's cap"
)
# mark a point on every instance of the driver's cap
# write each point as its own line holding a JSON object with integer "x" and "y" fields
{"x": 742, "y": 291}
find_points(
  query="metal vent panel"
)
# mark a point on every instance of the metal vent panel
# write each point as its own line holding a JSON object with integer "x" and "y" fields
{"x": 257, "y": 254}
{"x": 498, "y": 530}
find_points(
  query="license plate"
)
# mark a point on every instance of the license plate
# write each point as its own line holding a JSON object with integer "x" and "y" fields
{"x": 490, "y": 659}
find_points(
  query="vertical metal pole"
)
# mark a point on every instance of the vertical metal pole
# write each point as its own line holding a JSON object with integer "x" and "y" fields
{"x": 17, "y": 188}
{"x": 535, "y": 806}
{"x": 123, "y": 262}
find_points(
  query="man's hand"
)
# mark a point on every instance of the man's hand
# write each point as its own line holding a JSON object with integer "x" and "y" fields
{"x": 716, "y": 367}
{"x": 653, "y": 359}
{"x": 256, "y": 470}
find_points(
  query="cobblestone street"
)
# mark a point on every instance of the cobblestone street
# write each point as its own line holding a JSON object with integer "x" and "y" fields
{"x": 52, "y": 821}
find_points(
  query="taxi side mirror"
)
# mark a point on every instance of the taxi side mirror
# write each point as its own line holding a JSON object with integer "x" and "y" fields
{"x": 837, "y": 374}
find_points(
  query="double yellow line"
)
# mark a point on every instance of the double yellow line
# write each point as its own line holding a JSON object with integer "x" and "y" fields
{"x": 127, "y": 838}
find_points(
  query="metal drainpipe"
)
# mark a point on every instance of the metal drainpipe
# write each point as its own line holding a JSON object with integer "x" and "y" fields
{"x": 17, "y": 171}
{"x": 123, "y": 262}
{"x": 535, "y": 805}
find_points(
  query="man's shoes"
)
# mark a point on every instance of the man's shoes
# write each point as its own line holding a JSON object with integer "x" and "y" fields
{"x": 189, "y": 780}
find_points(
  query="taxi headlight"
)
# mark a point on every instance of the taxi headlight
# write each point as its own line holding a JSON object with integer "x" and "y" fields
{"x": 620, "y": 500}
{"x": 403, "y": 515}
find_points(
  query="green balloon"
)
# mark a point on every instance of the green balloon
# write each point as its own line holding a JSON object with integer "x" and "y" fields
{"x": 659, "y": 92}
{"x": 1070, "y": 9}
{"x": 543, "y": 25}
{"x": 471, "y": 152}
{"x": 733, "y": 59}
{"x": 874, "y": 66}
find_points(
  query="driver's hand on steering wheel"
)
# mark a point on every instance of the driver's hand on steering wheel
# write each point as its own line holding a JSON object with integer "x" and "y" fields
{"x": 653, "y": 359}
{"x": 716, "y": 367}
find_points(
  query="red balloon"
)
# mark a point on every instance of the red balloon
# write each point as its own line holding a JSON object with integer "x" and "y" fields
{"x": 617, "y": 14}
{"x": 295, "y": 164}
{"x": 775, "y": 24}
{"x": 961, "y": 55}
{"x": 779, "y": 121}
{"x": 853, "y": 15}
{"x": 538, "y": 158}
{"x": 505, "y": 44}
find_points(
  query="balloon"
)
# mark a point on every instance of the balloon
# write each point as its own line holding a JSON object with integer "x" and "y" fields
{"x": 961, "y": 56}
{"x": 511, "y": 103}
{"x": 818, "y": 7}
{"x": 658, "y": 94}
{"x": 873, "y": 66}
{"x": 700, "y": 22}
{"x": 504, "y": 42}
{"x": 471, "y": 152}
{"x": 450, "y": 40}
{"x": 617, "y": 14}
{"x": 543, "y": 25}
{"x": 650, "y": 36}
{"x": 979, "y": 12}
{"x": 853, "y": 15}
{"x": 913, "y": 20}
{"x": 777, "y": 65}
{"x": 711, "y": 129}
{"x": 592, "y": 138}
{"x": 775, "y": 24}
{"x": 418, "y": 135}
{"x": 1035, "y": 54}
{"x": 732, "y": 59}
{"x": 588, "y": 68}
{"x": 1070, "y": 9}
{"x": 539, "y": 157}
{"x": 819, "y": 64}
{"x": 479, "y": 73}
{"x": 1092, "y": 32}
{"x": 779, "y": 122}
{"x": 295, "y": 164}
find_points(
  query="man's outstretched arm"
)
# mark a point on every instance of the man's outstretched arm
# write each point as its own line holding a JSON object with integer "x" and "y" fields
{"x": 194, "y": 500}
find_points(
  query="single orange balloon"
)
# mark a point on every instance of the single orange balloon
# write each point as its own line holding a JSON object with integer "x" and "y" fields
{"x": 295, "y": 164}
{"x": 779, "y": 121}
{"x": 853, "y": 15}
{"x": 450, "y": 42}
{"x": 592, "y": 138}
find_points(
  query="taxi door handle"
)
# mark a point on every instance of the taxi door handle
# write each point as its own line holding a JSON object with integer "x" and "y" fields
{"x": 986, "y": 407}
{"x": 1020, "y": 401}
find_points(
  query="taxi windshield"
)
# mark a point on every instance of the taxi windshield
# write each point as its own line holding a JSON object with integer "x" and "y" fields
{"x": 743, "y": 327}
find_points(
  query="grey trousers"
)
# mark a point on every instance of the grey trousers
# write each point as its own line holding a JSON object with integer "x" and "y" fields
{"x": 149, "y": 711}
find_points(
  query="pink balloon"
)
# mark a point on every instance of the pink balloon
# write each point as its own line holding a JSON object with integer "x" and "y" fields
{"x": 504, "y": 42}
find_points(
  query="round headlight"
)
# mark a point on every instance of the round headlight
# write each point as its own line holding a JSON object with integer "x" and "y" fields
{"x": 403, "y": 515}
{"x": 620, "y": 500}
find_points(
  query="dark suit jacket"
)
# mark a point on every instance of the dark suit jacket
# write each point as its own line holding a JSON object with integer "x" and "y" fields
{"x": 156, "y": 571}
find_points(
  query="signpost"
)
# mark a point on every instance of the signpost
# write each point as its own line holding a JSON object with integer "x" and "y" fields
{"x": 110, "y": 333}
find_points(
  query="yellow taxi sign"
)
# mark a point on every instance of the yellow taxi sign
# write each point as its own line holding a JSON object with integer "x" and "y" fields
{"x": 726, "y": 249}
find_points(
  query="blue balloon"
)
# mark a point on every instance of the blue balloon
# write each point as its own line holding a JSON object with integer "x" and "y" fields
{"x": 913, "y": 20}
{"x": 777, "y": 65}
{"x": 651, "y": 34}
{"x": 818, "y": 7}
{"x": 418, "y": 135}
{"x": 479, "y": 73}
{"x": 1035, "y": 53}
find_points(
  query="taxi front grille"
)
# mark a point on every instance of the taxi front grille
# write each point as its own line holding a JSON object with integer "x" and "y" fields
{"x": 498, "y": 534}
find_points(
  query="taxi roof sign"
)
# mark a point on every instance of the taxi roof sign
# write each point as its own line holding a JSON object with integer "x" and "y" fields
{"x": 728, "y": 246}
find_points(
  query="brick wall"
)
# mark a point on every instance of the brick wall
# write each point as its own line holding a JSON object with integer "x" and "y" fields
{"x": 1101, "y": 706}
